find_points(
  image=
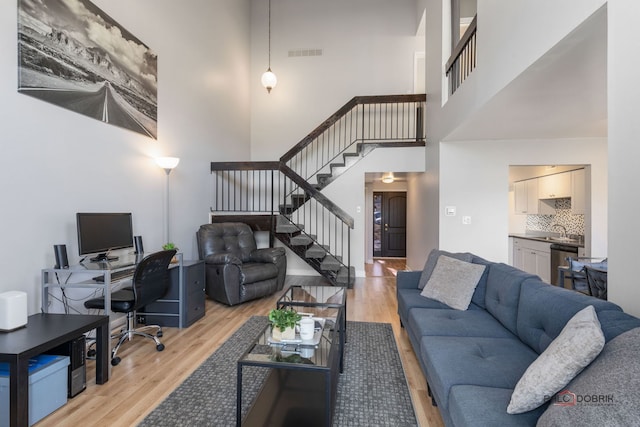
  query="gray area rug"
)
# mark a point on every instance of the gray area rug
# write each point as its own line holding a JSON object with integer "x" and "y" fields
{"x": 372, "y": 390}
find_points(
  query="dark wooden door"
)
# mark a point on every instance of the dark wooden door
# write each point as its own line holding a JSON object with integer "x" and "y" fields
{"x": 392, "y": 224}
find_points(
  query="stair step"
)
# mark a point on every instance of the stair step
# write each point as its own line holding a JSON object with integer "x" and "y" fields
{"x": 342, "y": 277}
{"x": 301, "y": 240}
{"x": 350, "y": 158}
{"x": 323, "y": 177}
{"x": 317, "y": 251}
{"x": 289, "y": 228}
{"x": 331, "y": 263}
{"x": 286, "y": 209}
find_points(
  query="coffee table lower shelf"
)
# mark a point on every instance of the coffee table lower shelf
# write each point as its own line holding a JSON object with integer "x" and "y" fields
{"x": 292, "y": 398}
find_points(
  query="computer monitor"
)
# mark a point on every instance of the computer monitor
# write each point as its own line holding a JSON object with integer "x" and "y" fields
{"x": 99, "y": 233}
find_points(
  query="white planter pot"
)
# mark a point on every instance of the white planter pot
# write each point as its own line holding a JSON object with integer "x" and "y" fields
{"x": 288, "y": 334}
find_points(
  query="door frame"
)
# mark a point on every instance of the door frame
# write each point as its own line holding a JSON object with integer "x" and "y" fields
{"x": 370, "y": 187}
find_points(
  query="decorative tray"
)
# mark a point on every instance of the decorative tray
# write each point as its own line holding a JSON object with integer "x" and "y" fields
{"x": 317, "y": 335}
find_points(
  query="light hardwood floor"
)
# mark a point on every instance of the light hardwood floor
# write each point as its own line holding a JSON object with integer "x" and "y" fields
{"x": 145, "y": 377}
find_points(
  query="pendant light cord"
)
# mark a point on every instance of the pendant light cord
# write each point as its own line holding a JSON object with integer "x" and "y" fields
{"x": 269, "y": 35}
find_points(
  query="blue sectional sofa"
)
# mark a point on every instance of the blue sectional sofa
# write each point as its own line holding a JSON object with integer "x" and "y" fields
{"x": 472, "y": 359}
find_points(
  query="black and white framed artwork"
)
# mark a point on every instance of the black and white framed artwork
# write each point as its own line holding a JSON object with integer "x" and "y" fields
{"x": 72, "y": 54}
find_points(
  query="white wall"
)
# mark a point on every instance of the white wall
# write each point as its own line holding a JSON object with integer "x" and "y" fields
{"x": 624, "y": 152}
{"x": 368, "y": 49}
{"x": 58, "y": 162}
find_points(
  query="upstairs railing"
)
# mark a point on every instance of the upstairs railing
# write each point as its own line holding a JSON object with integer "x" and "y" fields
{"x": 463, "y": 58}
{"x": 364, "y": 119}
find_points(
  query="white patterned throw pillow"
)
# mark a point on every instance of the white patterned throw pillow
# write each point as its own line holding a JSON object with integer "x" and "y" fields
{"x": 580, "y": 341}
{"x": 453, "y": 282}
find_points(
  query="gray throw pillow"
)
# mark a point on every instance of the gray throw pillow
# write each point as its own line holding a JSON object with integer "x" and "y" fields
{"x": 606, "y": 393}
{"x": 453, "y": 282}
{"x": 432, "y": 260}
{"x": 579, "y": 342}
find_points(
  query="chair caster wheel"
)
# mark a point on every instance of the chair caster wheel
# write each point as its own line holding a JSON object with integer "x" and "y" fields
{"x": 115, "y": 361}
{"x": 91, "y": 353}
{"x": 160, "y": 347}
{"x": 159, "y": 334}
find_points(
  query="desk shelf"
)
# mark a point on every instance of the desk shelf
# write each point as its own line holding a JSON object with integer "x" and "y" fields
{"x": 183, "y": 304}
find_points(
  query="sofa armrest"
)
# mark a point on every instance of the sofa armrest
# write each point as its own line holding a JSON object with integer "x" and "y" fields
{"x": 222, "y": 258}
{"x": 408, "y": 279}
{"x": 267, "y": 255}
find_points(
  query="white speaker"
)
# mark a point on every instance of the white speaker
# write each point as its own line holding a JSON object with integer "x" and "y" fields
{"x": 13, "y": 310}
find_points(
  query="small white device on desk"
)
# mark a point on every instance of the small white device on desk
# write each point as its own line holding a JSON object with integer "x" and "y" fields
{"x": 13, "y": 310}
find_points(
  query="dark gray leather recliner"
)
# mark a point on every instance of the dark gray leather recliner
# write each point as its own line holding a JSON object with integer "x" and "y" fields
{"x": 236, "y": 271}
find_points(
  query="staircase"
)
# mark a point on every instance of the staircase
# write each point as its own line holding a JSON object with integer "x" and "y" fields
{"x": 285, "y": 197}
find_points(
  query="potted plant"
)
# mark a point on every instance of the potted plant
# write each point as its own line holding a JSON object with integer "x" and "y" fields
{"x": 283, "y": 323}
{"x": 169, "y": 246}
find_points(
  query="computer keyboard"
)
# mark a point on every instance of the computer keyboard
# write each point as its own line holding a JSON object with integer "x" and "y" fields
{"x": 117, "y": 275}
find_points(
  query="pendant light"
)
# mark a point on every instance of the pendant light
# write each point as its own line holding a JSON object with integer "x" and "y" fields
{"x": 269, "y": 80}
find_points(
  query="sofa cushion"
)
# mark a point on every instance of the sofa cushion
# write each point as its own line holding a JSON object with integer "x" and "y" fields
{"x": 447, "y": 322}
{"x": 580, "y": 341}
{"x": 545, "y": 309}
{"x": 614, "y": 378}
{"x": 472, "y": 405}
{"x": 503, "y": 293}
{"x": 411, "y": 298}
{"x": 453, "y": 282}
{"x": 481, "y": 290}
{"x": 432, "y": 260}
{"x": 490, "y": 362}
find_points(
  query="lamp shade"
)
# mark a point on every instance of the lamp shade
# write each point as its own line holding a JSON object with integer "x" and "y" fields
{"x": 167, "y": 162}
{"x": 269, "y": 80}
{"x": 388, "y": 178}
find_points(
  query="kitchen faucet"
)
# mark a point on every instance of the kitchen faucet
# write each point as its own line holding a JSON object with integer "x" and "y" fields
{"x": 564, "y": 229}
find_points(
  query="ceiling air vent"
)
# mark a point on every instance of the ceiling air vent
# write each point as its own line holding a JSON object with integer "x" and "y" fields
{"x": 304, "y": 52}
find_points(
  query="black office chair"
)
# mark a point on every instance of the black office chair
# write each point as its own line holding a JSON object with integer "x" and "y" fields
{"x": 150, "y": 283}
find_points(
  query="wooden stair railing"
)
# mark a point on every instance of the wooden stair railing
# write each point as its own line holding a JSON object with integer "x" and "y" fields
{"x": 362, "y": 121}
{"x": 278, "y": 196}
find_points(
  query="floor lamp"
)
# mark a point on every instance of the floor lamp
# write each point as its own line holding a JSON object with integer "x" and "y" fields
{"x": 168, "y": 164}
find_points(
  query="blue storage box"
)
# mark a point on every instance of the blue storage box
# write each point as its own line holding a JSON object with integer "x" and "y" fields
{"x": 47, "y": 387}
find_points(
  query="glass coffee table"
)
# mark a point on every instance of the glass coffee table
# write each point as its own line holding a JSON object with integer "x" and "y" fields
{"x": 319, "y": 301}
{"x": 301, "y": 380}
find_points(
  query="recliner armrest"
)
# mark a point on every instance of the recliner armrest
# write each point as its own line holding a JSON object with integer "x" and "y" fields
{"x": 267, "y": 255}
{"x": 223, "y": 258}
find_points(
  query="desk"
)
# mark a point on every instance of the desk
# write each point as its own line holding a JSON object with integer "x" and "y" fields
{"x": 44, "y": 332}
{"x": 88, "y": 270}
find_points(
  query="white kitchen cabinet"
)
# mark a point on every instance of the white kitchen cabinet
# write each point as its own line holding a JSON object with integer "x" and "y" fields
{"x": 578, "y": 192}
{"x": 526, "y": 199}
{"x": 518, "y": 254}
{"x": 533, "y": 257}
{"x": 521, "y": 199}
{"x": 555, "y": 186}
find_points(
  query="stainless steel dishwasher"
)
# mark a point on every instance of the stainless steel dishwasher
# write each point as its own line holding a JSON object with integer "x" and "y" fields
{"x": 559, "y": 255}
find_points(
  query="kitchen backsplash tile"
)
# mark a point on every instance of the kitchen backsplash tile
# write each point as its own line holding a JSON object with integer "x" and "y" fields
{"x": 563, "y": 216}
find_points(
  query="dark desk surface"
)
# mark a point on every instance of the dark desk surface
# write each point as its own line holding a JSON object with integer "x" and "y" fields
{"x": 43, "y": 332}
